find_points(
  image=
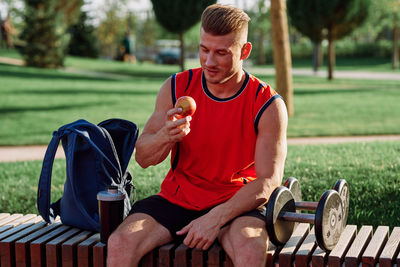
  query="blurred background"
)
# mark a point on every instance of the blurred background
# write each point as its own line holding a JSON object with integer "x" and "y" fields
{"x": 107, "y": 28}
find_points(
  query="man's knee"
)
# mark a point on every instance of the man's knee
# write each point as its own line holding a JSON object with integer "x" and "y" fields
{"x": 118, "y": 244}
{"x": 247, "y": 243}
{"x": 135, "y": 237}
{"x": 251, "y": 250}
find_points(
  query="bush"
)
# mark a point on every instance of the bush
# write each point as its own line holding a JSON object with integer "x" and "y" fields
{"x": 349, "y": 49}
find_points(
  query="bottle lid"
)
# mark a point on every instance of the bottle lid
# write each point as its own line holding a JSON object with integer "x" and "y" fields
{"x": 112, "y": 194}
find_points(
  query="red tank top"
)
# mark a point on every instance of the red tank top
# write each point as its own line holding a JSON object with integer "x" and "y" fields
{"x": 216, "y": 158}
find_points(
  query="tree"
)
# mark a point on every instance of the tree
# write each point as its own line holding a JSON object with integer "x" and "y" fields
{"x": 83, "y": 39}
{"x": 310, "y": 26}
{"x": 282, "y": 56}
{"x": 344, "y": 16}
{"x": 178, "y": 16}
{"x": 258, "y": 29}
{"x": 45, "y": 33}
{"x": 389, "y": 16}
{"x": 334, "y": 19}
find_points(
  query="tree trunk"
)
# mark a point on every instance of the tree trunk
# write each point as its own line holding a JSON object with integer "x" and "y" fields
{"x": 182, "y": 57}
{"x": 260, "y": 52}
{"x": 396, "y": 36}
{"x": 331, "y": 58}
{"x": 317, "y": 56}
{"x": 282, "y": 55}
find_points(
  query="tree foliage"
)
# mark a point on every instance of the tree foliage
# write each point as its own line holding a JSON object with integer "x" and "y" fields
{"x": 259, "y": 27}
{"x": 45, "y": 33}
{"x": 178, "y": 16}
{"x": 333, "y": 20}
{"x": 300, "y": 17}
{"x": 83, "y": 41}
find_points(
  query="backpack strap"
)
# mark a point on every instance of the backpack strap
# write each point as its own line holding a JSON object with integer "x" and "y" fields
{"x": 82, "y": 134}
{"x": 43, "y": 194}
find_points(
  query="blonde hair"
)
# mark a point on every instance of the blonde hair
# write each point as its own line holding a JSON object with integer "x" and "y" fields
{"x": 220, "y": 19}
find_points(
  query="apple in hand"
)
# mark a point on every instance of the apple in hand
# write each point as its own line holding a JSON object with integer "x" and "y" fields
{"x": 187, "y": 104}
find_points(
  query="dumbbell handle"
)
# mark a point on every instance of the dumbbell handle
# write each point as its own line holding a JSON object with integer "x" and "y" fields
{"x": 305, "y": 205}
{"x": 297, "y": 217}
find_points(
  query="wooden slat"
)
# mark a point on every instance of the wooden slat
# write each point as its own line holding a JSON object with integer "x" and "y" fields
{"x": 8, "y": 220}
{"x": 17, "y": 222}
{"x": 20, "y": 227}
{"x": 53, "y": 247}
{"x": 303, "y": 255}
{"x": 199, "y": 257}
{"x": 150, "y": 259}
{"x": 166, "y": 255}
{"x": 99, "y": 255}
{"x": 7, "y": 246}
{"x": 214, "y": 255}
{"x": 370, "y": 256}
{"x": 353, "y": 256}
{"x": 336, "y": 257}
{"x": 286, "y": 256}
{"x": 85, "y": 251}
{"x": 182, "y": 253}
{"x": 271, "y": 254}
{"x": 391, "y": 249}
{"x": 22, "y": 251}
{"x": 69, "y": 257}
{"x": 4, "y": 215}
{"x": 319, "y": 258}
{"x": 37, "y": 247}
{"x": 398, "y": 260}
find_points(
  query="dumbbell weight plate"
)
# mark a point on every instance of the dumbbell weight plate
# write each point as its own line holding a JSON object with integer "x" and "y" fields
{"x": 342, "y": 188}
{"x": 328, "y": 220}
{"x": 294, "y": 186}
{"x": 281, "y": 200}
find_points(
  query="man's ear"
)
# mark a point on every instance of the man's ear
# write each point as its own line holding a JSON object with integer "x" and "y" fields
{"x": 246, "y": 49}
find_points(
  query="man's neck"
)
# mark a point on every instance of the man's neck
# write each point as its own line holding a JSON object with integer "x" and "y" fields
{"x": 228, "y": 88}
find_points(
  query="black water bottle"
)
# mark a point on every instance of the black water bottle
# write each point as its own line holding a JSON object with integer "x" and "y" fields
{"x": 111, "y": 211}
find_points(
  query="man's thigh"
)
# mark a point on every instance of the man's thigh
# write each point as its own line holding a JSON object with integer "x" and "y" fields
{"x": 142, "y": 229}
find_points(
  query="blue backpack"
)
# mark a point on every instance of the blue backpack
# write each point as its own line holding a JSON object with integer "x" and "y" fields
{"x": 97, "y": 156}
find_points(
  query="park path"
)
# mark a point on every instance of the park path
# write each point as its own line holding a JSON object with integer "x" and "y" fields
{"x": 27, "y": 153}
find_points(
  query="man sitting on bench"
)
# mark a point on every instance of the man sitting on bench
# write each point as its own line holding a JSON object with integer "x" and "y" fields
{"x": 226, "y": 159}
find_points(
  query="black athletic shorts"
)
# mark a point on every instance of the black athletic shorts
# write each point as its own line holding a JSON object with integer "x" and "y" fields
{"x": 174, "y": 217}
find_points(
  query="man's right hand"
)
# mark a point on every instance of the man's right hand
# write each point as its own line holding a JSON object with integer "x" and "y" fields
{"x": 176, "y": 129}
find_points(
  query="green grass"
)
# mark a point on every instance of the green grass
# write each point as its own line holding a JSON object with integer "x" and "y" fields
{"x": 35, "y": 102}
{"x": 371, "y": 169}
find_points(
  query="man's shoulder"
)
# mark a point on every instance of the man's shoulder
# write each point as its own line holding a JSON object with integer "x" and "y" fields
{"x": 189, "y": 72}
{"x": 187, "y": 76}
{"x": 257, "y": 81}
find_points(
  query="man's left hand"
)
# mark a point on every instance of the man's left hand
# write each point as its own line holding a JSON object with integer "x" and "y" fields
{"x": 201, "y": 232}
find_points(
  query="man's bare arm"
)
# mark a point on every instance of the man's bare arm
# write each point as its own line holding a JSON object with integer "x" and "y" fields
{"x": 161, "y": 131}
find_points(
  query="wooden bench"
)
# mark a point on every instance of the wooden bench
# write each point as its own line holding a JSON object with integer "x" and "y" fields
{"x": 25, "y": 240}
